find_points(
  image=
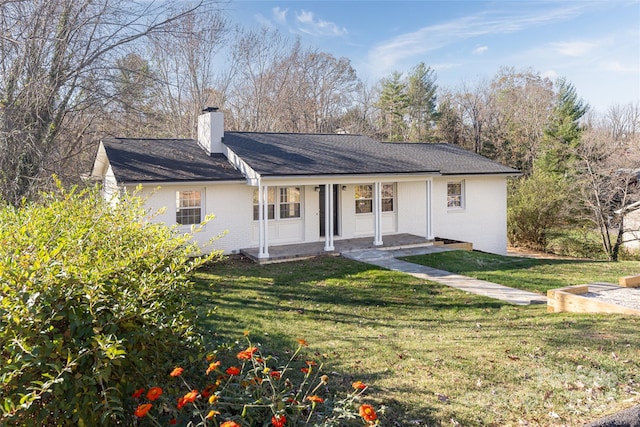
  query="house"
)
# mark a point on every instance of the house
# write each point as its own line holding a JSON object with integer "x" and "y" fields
{"x": 631, "y": 236}
{"x": 271, "y": 189}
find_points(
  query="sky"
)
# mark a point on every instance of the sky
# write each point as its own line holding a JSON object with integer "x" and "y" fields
{"x": 594, "y": 44}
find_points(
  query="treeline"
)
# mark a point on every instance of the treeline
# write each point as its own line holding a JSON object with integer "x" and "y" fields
{"x": 72, "y": 72}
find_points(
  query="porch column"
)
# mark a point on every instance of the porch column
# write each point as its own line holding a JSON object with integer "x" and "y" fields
{"x": 377, "y": 214}
{"x": 328, "y": 218}
{"x": 429, "y": 211}
{"x": 263, "y": 222}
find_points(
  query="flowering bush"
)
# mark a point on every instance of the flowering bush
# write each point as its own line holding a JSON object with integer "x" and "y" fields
{"x": 255, "y": 390}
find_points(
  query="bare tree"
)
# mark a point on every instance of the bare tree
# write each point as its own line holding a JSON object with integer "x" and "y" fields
{"x": 608, "y": 179}
{"x": 53, "y": 58}
{"x": 183, "y": 56}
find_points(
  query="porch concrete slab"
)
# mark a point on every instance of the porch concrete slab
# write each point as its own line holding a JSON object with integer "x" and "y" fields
{"x": 464, "y": 283}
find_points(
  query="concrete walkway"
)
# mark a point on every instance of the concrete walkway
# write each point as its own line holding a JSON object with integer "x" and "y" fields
{"x": 388, "y": 259}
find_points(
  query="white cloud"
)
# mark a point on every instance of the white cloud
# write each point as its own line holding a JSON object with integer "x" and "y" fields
{"x": 618, "y": 66}
{"x": 575, "y": 48}
{"x": 480, "y": 50}
{"x": 388, "y": 55}
{"x": 309, "y": 23}
{"x": 280, "y": 15}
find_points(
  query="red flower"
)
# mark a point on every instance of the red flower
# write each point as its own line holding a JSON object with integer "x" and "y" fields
{"x": 368, "y": 413}
{"x": 315, "y": 399}
{"x": 278, "y": 420}
{"x": 191, "y": 396}
{"x": 176, "y": 372}
{"x": 181, "y": 402}
{"x": 305, "y": 370}
{"x": 230, "y": 424}
{"x": 359, "y": 385}
{"x": 142, "y": 410}
{"x": 138, "y": 393}
{"x": 154, "y": 393}
{"x": 173, "y": 422}
{"x": 213, "y": 366}
{"x": 233, "y": 370}
{"x": 275, "y": 374}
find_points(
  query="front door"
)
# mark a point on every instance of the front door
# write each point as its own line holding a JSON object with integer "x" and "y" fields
{"x": 323, "y": 212}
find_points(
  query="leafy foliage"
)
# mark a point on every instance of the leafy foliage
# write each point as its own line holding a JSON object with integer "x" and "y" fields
{"x": 91, "y": 300}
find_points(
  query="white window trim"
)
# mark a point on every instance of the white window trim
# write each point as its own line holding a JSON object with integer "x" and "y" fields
{"x": 276, "y": 204}
{"x": 202, "y": 207}
{"x": 462, "y": 196}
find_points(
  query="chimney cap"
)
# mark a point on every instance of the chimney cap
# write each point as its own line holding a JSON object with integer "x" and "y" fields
{"x": 209, "y": 109}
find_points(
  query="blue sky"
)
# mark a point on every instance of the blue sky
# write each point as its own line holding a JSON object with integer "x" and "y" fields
{"x": 594, "y": 44}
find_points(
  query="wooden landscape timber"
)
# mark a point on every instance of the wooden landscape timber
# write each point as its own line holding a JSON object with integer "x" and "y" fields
{"x": 570, "y": 299}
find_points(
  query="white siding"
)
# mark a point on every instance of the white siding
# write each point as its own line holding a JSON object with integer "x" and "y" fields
{"x": 482, "y": 221}
{"x": 632, "y": 237}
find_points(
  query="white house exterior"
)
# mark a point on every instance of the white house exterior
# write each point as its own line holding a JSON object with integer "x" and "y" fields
{"x": 631, "y": 237}
{"x": 270, "y": 189}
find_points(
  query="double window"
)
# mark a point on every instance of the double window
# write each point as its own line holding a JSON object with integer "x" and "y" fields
{"x": 364, "y": 198}
{"x": 188, "y": 207}
{"x": 455, "y": 195}
{"x": 287, "y": 201}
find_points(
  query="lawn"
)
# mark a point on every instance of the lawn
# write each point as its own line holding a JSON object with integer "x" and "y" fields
{"x": 536, "y": 275}
{"x": 434, "y": 356}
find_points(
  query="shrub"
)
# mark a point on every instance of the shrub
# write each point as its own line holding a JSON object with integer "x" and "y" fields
{"x": 253, "y": 389}
{"x": 91, "y": 300}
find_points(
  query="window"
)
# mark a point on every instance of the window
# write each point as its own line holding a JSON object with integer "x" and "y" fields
{"x": 364, "y": 198}
{"x": 289, "y": 202}
{"x": 455, "y": 195}
{"x": 188, "y": 207}
{"x": 387, "y": 197}
{"x": 271, "y": 207}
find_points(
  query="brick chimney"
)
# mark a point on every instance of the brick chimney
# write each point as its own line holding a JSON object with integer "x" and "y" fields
{"x": 211, "y": 130}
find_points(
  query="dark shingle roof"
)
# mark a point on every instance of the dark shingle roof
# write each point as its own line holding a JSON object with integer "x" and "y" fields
{"x": 282, "y": 154}
{"x": 163, "y": 160}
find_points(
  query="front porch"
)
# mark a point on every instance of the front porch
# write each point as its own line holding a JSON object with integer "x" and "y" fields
{"x": 292, "y": 252}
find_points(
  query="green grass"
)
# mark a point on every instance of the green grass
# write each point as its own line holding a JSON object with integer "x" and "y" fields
{"x": 433, "y": 355}
{"x": 537, "y": 275}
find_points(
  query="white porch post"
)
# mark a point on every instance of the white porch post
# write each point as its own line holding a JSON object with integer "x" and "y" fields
{"x": 429, "y": 224}
{"x": 263, "y": 221}
{"x": 328, "y": 218}
{"x": 377, "y": 214}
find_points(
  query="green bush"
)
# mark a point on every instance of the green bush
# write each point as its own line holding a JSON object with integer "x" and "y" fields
{"x": 92, "y": 302}
{"x": 536, "y": 205}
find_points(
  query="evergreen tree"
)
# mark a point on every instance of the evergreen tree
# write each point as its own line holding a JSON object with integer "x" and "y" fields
{"x": 393, "y": 103}
{"x": 421, "y": 98}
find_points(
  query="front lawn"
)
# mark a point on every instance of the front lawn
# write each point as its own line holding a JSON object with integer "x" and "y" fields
{"x": 435, "y": 356}
{"x": 536, "y": 275}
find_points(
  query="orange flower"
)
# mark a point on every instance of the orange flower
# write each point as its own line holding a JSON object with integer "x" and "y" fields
{"x": 142, "y": 410}
{"x": 311, "y": 363}
{"x": 248, "y": 353}
{"x": 324, "y": 379}
{"x": 191, "y": 396}
{"x": 368, "y": 413}
{"x": 154, "y": 393}
{"x": 213, "y": 399}
{"x": 303, "y": 342}
{"x": 278, "y": 420}
{"x": 315, "y": 399}
{"x": 230, "y": 424}
{"x": 176, "y": 372}
{"x": 181, "y": 402}
{"x": 138, "y": 393}
{"x": 359, "y": 385}
{"x": 213, "y": 366}
{"x": 275, "y": 374}
{"x": 212, "y": 414}
{"x": 233, "y": 370}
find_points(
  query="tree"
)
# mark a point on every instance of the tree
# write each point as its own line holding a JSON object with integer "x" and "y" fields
{"x": 608, "y": 176}
{"x": 421, "y": 99}
{"x": 53, "y": 58}
{"x": 392, "y": 104}
{"x": 183, "y": 57}
{"x": 563, "y": 131}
